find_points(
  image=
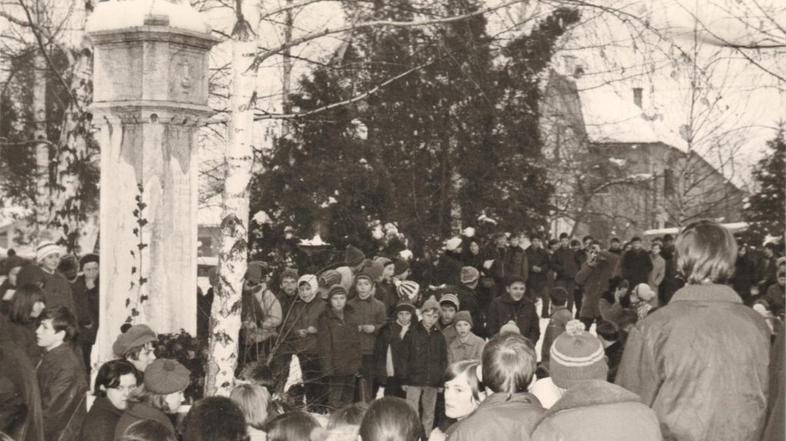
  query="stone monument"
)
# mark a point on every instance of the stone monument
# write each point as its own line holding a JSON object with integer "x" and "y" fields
{"x": 150, "y": 98}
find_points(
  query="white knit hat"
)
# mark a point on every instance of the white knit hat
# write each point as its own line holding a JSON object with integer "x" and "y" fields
{"x": 453, "y": 243}
{"x": 47, "y": 248}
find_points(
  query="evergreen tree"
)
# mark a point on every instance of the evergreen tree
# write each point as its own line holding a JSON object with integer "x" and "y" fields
{"x": 458, "y": 136}
{"x": 765, "y": 210}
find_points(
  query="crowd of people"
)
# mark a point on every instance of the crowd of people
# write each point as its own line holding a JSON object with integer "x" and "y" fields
{"x": 681, "y": 340}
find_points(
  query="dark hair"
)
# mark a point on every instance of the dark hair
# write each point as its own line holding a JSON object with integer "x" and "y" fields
{"x": 586, "y": 238}
{"x": 509, "y": 362}
{"x": 62, "y": 320}
{"x": 615, "y": 239}
{"x": 391, "y": 419}
{"x": 22, "y": 304}
{"x": 635, "y": 239}
{"x": 109, "y": 375}
{"x": 349, "y": 415}
{"x": 575, "y": 243}
{"x": 607, "y": 331}
{"x": 563, "y": 236}
{"x": 515, "y": 279}
{"x": 68, "y": 264}
{"x": 215, "y": 419}
{"x": 559, "y": 296}
{"x": 292, "y": 426}
{"x": 148, "y": 430}
{"x": 668, "y": 237}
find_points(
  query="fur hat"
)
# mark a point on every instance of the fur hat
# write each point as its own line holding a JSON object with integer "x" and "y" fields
{"x": 45, "y": 249}
{"x": 430, "y": 303}
{"x": 30, "y": 275}
{"x": 165, "y": 376}
{"x": 469, "y": 274}
{"x": 134, "y": 337}
{"x": 406, "y": 306}
{"x": 453, "y": 243}
{"x": 88, "y": 258}
{"x": 449, "y": 298}
{"x": 510, "y": 326}
{"x": 408, "y": 289}
{"x": 576, "y": 356}
{"x": 336, "y": 290}
{"x": 353, "y": 256}
{"x": 463, "y": 316}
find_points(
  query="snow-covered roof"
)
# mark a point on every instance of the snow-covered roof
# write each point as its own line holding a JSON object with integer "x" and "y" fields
{"x": 608, "y": 117}
{"x": 116, "y": 14}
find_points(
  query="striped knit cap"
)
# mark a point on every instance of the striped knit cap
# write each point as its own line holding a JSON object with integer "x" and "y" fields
{"x": 576, "y": 356}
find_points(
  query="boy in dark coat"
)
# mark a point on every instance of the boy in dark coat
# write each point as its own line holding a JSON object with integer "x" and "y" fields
{"x": 61, "y": 376}
{"x": 424, "y": 358}
{"x": 565, "y": 267}
{"x": 339, "y": 341}
{"x": 636, "y": 263}
{"x": 468, "y": 298}
{"x": 388, "y": 349}
{"x": 514, "y": 305}
{"x": 370, "y": 315}
{"x": 538, "y": 266}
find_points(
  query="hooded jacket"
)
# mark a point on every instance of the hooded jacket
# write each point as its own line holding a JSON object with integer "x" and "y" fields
{"x": 701, "y": 363}
{"x": 500, "y": 417}
{"x": 597, "y": 410}
{"x": 522, "y": 312}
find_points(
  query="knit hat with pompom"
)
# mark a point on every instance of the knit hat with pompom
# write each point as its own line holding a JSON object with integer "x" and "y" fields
{"x": 577, "y": 356}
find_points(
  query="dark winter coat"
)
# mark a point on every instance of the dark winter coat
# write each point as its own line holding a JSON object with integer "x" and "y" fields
{"x": 339, "y": 343}
{"x": 302, "y": 316}
{"x": 101, "y": 421}
{"x": 522, "y": 312}
{"x": 57, "y": 291}
{"x": 597, "y": 410}
{"x": 701, "y": 363}
{"x": 775, "y": 425}
{"x": 86, "y": 304}
{"x": 424, "y": 356}
{"x": 449, "y": 268}
{"x": 389, "y": 337}
{"x": 385, "y": 292}
{"x": 594, "y": 280}
{"x": 468, "y": 301}
{"x": 775, "y": 298}
{"x": 20, "y": 399}
{"x": 204, "y": 306}
{"x": 138, "y": 412}
{"x": 516, "y": 263}
{"x": 369, "y": 311}
{"x": 500, "y": 417}
{"x": 564, "y": 264}
{"x": 744, "y": 277}
{"x": 499, "y": 256}
{"x": 23, "y": 334}
{"x": 536, "y": 282}
{"x": 636, "y": 266}
{"x": 614, "y": 357}
{"x": 62, "y": 382}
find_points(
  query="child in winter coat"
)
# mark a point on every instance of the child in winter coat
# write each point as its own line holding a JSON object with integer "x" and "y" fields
{"x": 388, "y": 348}
{"x": 448, "y": 306}
{"x": 371, "y": 315}
{"x": 339, "y": 340}
{"x": 466, "y": 345}
{"x": 425, "y": 358}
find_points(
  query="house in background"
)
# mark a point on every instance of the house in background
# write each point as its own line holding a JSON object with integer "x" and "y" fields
{"x": 618, "y": 171}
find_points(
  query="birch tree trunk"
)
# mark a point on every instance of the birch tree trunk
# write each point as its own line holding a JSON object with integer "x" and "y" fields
{"x": 42, "y": 148}
{"x": 232, "y": 262}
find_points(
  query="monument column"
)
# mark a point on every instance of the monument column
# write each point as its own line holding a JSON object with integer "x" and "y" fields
{"x": 150, "y": 98}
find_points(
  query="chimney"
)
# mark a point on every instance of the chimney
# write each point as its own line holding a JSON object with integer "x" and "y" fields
{"x": 637, "y": 96}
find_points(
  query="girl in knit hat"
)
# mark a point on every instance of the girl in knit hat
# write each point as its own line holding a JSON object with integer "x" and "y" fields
{"x": 589, "y": 406}
{"x": 161, "y": 393}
